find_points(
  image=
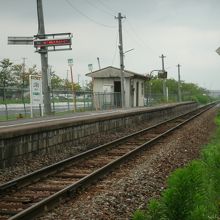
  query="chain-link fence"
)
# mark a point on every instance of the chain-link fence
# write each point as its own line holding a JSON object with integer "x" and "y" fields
{"x": 15, "y": 102}
{"x": 158, "y": 98}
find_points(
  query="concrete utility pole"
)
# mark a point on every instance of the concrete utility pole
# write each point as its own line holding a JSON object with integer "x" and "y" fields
{"x": 164, "y": 80}
{"x": 179, "y": 85}
{"x": 44, "y": 60}
{"x": 121, "y": 58}
{"x": 73, "y": 89}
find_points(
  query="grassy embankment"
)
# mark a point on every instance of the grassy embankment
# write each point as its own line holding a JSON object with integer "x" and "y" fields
{"x": 193, "y": 192}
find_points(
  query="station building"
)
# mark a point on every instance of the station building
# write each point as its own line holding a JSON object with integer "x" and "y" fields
{"x": 108, "y": 81}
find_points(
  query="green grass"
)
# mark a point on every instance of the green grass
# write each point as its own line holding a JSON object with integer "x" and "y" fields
{"x": 14, "y": 101}
{"x": 55, "y": 100}
{"x": 16, "y": 116}
{"x": 193, "y": 192}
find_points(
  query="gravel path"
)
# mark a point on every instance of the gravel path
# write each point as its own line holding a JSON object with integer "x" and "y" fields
{"x": 120, "y": 193}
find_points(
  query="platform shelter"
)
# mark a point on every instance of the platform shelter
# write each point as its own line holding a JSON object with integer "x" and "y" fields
{"x": 108, "y": 81}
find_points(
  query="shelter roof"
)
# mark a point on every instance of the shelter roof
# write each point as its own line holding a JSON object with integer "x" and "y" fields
{"x": 113, "y": 72}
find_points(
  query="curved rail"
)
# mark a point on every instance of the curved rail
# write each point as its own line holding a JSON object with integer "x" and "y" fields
{"x": 29, "y": 195}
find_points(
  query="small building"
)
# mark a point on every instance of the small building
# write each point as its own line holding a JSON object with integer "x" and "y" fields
{"x": 108, "y": 81}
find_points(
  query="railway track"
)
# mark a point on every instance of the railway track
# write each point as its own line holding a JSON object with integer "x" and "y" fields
{"x": 30, "y": 195}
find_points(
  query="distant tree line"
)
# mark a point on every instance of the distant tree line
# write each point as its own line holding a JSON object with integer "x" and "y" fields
{"x": 15, "y": 75}
{"x": 190, "y": 91}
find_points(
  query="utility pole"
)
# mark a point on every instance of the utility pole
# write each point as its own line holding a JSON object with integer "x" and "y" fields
{"x": 50, "y": 80}
{"x": 44, "y": 60}
{"x": 121, "y": 58}
{"x": 179, "y": 85}
{"x": 73, "y": 89}
{"x": 70, "y": 63}
{"x": 23, "y": 76}
{"x": 98, "y": 62}
{"x": 78, "y": 78}
{"x": 164, "y": 80}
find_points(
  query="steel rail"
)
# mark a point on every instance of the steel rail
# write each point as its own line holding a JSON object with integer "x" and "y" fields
{"x": 49, "y": 202}
{"x": 43, "y": 172}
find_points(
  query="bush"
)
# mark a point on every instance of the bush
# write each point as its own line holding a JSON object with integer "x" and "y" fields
{"x": 193, "y": 192}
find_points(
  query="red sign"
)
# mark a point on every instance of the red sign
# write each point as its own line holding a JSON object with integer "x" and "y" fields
{"x": 52, "y": 42}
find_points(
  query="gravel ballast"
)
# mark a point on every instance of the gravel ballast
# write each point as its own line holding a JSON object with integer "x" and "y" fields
{"x": 130, "y": 187}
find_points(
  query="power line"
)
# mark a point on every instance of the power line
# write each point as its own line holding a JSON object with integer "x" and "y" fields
{"x": 137, "y": 38}
{"x": 106, "y": 6}
{"x": 99, "y": 9}
{"x": 116, "y": 47}
{"x": 86, "y": 16}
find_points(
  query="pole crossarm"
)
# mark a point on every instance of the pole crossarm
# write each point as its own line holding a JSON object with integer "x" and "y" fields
{"x": 44, "y": 43}
{"x": 52, "y": 35}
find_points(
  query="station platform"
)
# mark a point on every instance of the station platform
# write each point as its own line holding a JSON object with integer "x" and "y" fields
{"x": 30, "y": 136}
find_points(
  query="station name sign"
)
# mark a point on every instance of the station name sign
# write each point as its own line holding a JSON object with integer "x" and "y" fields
{"x": 52, "y": 42}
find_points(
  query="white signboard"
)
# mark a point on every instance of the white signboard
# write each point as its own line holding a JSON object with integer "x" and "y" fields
{"x": 36, "y": 96}
{"x": 36, "y": 90}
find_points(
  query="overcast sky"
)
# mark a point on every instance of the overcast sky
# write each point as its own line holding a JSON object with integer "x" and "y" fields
{"x": 186, "y": 32}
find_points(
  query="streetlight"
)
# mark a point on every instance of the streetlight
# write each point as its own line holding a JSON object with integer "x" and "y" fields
{"x": 122, "y": 76}
{"x": 50, "y": 78}
{"x": 70, "y": 63}
{"x": 90, "y": 67}
{"x": 179, "y": 85}
{"x": 162, "y": 74}
{"x": 67, "y": 90}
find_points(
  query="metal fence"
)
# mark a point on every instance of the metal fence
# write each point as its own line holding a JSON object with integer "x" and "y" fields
{"x": 15, "y": 102}
{"x": 158, "y": 98}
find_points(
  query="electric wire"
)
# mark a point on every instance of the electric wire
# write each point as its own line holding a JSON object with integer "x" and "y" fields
{"x": 116, "y": 47}
{"x": 86, "y": 16}
{"x": 99, "y": 9}
{"x": 137, "y": 38}
{"x": 107, "y": 7}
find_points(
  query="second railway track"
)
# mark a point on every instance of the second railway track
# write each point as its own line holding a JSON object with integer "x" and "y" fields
{"x": 28, "y": 196}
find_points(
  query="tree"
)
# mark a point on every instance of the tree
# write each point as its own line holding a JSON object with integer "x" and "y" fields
{"x": 30, "y": 71}
{"x": 190, "y": 91}
{"x": 56, "y": 81}
{"x": 6, "y": 77}
{"x": 88, "y": 86}
{"x": 18, "y": 75}
{"x": 76, "y": 86}
{"x": 21, "y": 76}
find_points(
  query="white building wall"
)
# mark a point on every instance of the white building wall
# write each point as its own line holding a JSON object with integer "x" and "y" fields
{"x": 141, "y": 97}
{"x": 100, "y": 83}
{"x": 140, "y": 92}
{"x": 127, "y": 92}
